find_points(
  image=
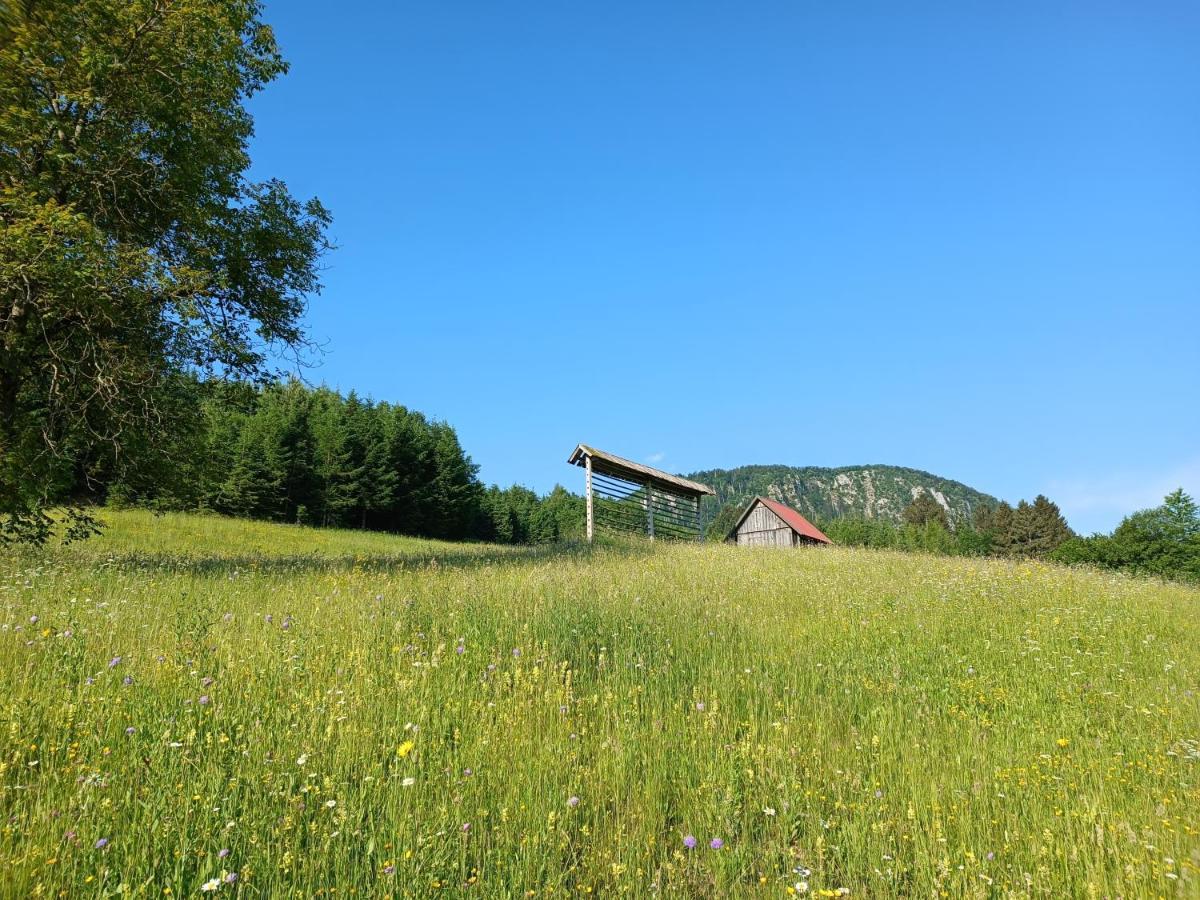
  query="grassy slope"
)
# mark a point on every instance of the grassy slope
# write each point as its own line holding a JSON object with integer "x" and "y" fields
{"x": 898, "y": 724}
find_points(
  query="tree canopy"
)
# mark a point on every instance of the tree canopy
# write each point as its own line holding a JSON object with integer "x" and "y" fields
{"x": 132, "y": 245}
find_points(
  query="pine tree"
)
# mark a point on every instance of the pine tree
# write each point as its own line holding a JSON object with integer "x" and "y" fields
{"x": 925, "y": 509}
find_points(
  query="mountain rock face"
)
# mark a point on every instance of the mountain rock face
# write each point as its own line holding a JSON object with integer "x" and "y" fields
{"x": 871, "y": 492}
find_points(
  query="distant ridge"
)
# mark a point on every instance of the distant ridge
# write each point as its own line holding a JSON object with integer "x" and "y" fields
{"x": 872, "y": 492}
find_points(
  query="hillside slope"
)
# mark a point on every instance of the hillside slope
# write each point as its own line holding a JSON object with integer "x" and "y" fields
{"x": 872, "y": 492}
{"x": 269, "y": 710}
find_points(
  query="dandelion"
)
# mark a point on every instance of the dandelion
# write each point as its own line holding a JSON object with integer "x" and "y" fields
{"x": 716, "y": 843}
{"x": 1063, "y": 742}
{"x": 102, "y": 843}
{"x": 404, "y": 749}
{"x": 572, "y": 801}
{"x": 689, "y": 841}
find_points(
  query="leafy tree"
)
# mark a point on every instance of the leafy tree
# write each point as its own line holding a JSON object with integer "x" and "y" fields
{"x": 132, "y": 245}
{"x": 925, "y": 509}
{"x": 1161, "y": 541}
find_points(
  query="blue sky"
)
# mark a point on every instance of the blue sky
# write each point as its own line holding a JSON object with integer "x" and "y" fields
{"x": 957, "y": 238}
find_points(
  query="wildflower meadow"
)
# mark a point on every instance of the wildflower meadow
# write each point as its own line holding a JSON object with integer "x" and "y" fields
{"x": 199, "y": 706}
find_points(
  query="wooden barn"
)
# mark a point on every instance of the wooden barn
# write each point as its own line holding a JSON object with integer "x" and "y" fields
{"x": 768, "y": 523}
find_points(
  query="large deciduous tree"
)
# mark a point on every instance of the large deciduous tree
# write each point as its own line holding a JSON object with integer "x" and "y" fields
{"x": 132, "y": 245}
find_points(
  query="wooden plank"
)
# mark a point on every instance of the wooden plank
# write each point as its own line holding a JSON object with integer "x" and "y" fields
{"x": 591, "y": 516}
{"x": 639, "y": 472}
{"x": 650, "y": 509}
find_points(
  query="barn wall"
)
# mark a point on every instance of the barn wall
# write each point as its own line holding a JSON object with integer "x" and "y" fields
{"x": 762, "y": 528}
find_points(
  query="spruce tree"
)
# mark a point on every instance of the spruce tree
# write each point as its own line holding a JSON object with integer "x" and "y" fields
{"x": 925, "y": 509}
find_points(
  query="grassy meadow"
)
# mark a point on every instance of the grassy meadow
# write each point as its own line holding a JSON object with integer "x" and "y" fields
{"x": 195, "y": 704}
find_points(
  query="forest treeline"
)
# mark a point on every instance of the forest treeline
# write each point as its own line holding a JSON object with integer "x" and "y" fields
{"x": 290, "y": 453}
{"x": 1163, "y": 541}
{"x": 287, "y": 452}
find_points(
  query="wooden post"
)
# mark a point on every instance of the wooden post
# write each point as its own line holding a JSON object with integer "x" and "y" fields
{"x": 650, "y": 509}
{"x": 591, "y": 521}
{"x": 699, "y": 521}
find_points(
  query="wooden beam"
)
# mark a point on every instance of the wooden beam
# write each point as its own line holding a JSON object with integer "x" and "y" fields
{"x": 591, "y": 518}
{"x": 650, "y": 509}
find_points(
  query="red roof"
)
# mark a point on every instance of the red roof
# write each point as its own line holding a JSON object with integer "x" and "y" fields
{"x": 795, "y": 521}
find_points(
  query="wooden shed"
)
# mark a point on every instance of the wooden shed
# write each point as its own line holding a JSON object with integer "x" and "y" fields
{"x": 768, "y": 523}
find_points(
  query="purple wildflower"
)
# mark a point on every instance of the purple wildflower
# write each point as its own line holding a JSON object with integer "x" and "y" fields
{"x": 516, "y": 651}
{"x": 700, "y": 706}
{"x": 460, "y": 649}
{"x": 33, "y": 620}
{"x": 991, "y": 856}
{"x": 114, "y": 662}
{"x": 228, "y": 617}
{"x": 206, "y": 681}
{"x": 468, "y": 772}
{"x": 466, "y": 827}
{"x": 268, "y": 618}
{"x": 102, "y": 843}
{"x": 572, "y": 802}
{"x": 127, "y": 680}
{"x": 130, "y": 730}
{"x": 204, "y": 700}
{"x": 89, "y": 680}
{"x": 222, "y": 853}
{"x": 231, "y": 878}
{"x": 689, "y": 841}
{"x": 716, "y": 843}
{"x": 286, "y": 624}
{"x": 389, "y": 869}
{"x": 72, "y": 835}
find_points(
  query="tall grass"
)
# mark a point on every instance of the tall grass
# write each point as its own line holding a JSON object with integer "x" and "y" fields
{"x": 351, "y": 714}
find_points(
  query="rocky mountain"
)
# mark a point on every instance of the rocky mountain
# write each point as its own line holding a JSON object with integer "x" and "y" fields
{"x": 873, "y": 492}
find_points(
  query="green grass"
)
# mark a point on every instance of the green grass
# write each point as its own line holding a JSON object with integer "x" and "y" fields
{"x": 896, "y": 725}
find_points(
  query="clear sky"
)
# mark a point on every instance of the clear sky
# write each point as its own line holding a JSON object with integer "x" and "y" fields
{"x": 957, "y": 237}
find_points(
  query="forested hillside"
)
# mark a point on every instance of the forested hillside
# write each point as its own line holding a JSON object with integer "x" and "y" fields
{"x": 867, "y": 492}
